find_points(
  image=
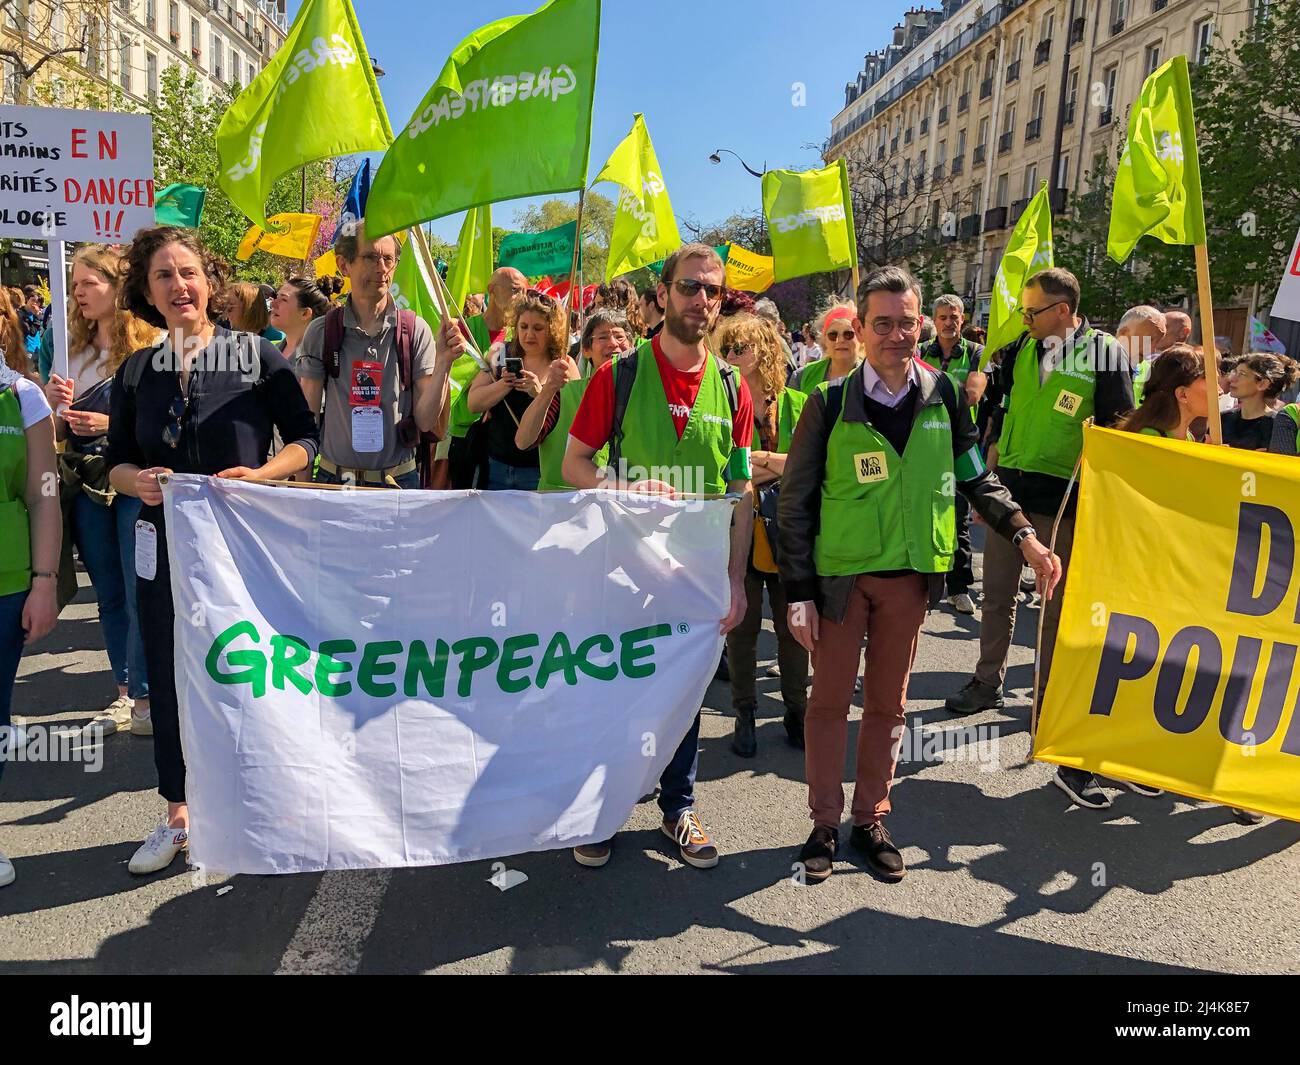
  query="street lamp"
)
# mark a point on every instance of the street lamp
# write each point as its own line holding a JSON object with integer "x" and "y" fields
{"x": 716, "y": 158}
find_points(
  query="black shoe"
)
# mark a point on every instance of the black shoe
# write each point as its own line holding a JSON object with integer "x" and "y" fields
{"x": 722, "y": 673}
{"x": 818, "y": 853}
{"x": 875, "y": 842}
{"x": 743, "y": 740}
{"x": 974, "y": 697}
{"x": 1082, "y": 787}
{"x": 1246, "y": 817}
{"x": 794, "y": 729}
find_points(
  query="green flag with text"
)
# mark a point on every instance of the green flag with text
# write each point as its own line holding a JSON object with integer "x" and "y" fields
{"x": 1028, "y": 251}
{"x": 644, "y": 227}
{"x": 810, "y": 220}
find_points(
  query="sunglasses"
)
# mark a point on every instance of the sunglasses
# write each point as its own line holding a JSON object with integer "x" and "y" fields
{"x": 176, "y": 412}
{"x": 834, "y": 335}
{"x": 538, "y": 294}
{"x": 689, "y": 287}
{"x": 739, "y": 351}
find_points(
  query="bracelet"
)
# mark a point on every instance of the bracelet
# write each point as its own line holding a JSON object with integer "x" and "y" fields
{"x": 1021, "y": 535}
{"x": 44, "y": 573}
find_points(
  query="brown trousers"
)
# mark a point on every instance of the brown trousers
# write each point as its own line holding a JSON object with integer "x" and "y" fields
{"x": 889, "y": 612}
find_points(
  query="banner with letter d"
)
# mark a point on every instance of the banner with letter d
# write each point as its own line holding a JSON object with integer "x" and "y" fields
{"x": 1176, "y": 660}
{"x": 386, "y": 678}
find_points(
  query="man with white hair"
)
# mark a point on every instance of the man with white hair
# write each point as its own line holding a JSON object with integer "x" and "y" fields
{"x": 1178, "y": 330}
{"x": 1141, "y": 331}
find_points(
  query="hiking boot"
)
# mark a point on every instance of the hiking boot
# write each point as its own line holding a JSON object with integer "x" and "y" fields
{"x": 743, "y": 740}
{"x": 794, "y": 728}
{"x": 882, "y": 856}
{"x": 818, "y": 855}
{"x": 974, "y": 697}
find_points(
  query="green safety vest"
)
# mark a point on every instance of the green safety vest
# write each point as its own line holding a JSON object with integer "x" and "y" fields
{"x": 651, "y": 450}
{"x": 1043, "y": 428}
{"x": 1140, "y": 381}
{"x": 551, "y": 450}
{"x": 884, "y": 511}
{"x": 790, "y": 407}
{"x": 461, "y": 417}
{"x": 814, "y": 374}
{"x": 959, "y": 366}
{"x": 1292, "y": 411}
{"x": 15, "y": 528}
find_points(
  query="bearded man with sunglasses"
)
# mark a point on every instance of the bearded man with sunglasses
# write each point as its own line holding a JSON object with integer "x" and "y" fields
{"x": 688, "y": 421}
{"x": 1060, "y": 372}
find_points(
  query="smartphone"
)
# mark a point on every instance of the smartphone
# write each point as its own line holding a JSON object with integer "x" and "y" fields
{"x": 513, "y": 365}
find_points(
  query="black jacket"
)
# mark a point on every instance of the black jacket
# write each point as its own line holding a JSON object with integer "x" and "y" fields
{"x": 800, "y": 505}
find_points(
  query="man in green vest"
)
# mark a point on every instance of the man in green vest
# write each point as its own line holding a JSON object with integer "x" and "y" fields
{"x": 959, "y": 358}
{"x": 868, "y": 528}
{"x": 686, "y": 427}
{"x": 1060, "y": 373}
{"x": 545, "y": 424}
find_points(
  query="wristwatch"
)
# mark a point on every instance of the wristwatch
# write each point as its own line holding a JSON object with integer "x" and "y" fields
{"x": 1021, "y": 535}
{"x": 44, "y": 573}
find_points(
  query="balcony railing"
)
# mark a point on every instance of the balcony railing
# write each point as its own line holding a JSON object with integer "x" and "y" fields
{"x": 977, "y": 156}
{"x": 1076, "y": 29}
{"x": 995, "y": 218}
{"x": 1117, "y": 26}
{"x": 963, "y": 103}
{"x": 919, "y": 179}
{"x": 1005, "y": 141}
{"x": 986, "y": 88}
{"x": 957, "y": 162}
{"x": 1067, "y": 118}
{"x": 1017, "y": 209}
{"x": 1043, "y": 52}
{"x": 1105, "y": 118}
{"x": 943, "y": 114}
{"x": 1013, "y": 72}
{"x": 1158, "y": 5}
{"x": 969, "y": 226}
{"x": 1033, "y": 129}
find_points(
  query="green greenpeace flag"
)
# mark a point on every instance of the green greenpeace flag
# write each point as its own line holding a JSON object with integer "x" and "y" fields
{"x": 180, "y": 205}
{"x": 509, "y": 116}
{"x": 539, "y": 254}
{"x": 472, "y": 269}
{"x": 317, "y": 98}
{"x": 1028, "y": 251}
{"x": 644, "y": 227}
{"x": 1158, "y": 184}
{"x": 810, "y": 220}
{"x": 411, "y": 287}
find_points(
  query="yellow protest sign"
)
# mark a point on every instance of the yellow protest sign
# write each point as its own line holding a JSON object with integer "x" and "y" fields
{"x": 1176, "y": 660}
{"x": 748, "y": 271}
{"x": 293, "y": 243}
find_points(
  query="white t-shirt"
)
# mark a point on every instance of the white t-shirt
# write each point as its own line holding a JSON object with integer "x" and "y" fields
{"x": 31, "y": 400}
{"x": 86, "y": 369}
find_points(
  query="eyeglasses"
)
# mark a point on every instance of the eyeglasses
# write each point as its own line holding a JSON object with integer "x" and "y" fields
{"x": 176, "y": 412}
{"x": 882, "y": 327}
{"x": 1030, "y": 313}
{"x": 1242, "y": 371}
{"x": 689, "y": 287}
{"x": 838, "y": 334}
{"x": 386, "y": 262}
{"x": 738, "y": 351}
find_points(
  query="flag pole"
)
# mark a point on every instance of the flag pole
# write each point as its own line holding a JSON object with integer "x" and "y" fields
{"x": 1209, "y": 353}
{"x": 577, "y": 251}
{"x": 441, "y": 295}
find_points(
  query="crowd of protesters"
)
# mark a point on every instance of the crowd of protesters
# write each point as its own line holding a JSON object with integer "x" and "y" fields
{"x": 812, "y": 429}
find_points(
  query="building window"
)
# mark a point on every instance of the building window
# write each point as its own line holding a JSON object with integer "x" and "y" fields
{"x": 174, "y": 21}
{"x": 1004, "y": 183}
{"x": 1152, "y": 61}
{"x": 217, "y": 58}
{"x": 1108, "y": 79}
{"x": 151, "y": 14}
{"x": 124, "y": 62}
{"x": 983, "y": 133}
{"x": 57, "y": 25}
{"x": 1118, "y": 15}
{"x": 124, "y": 6}
{"x": 151, "y": 75}
{"x": 1031, "y": 180}
{"x": 1046, "y": 33}
{"x": 252, "y": 73}
{"x": 1202, "y": 39}
{"x": 1063, "y": 176}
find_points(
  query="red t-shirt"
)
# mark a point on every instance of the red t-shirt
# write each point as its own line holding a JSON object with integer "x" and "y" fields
{"x": 594, "y": 421}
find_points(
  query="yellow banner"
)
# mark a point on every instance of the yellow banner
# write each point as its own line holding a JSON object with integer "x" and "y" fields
{"x": 1176, "y": 660}
{"x": 293, "y": 243}
{"x": 749, "y": 272}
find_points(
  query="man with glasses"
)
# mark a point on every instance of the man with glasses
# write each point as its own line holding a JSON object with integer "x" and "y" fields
{"x": 688, "y": 419}
{"x": 383, "y": 378}
{"x": 868, "y": 527}
{"x": 959, "y": 358}
{"x": 1058, "y": 374}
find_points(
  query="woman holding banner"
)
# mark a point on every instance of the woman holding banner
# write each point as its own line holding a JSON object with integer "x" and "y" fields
{"x": 840, "y": 342}
{"x": 99, "y": 521}
{"x": 519, "y": 367}
{"x": 209, "y": 410}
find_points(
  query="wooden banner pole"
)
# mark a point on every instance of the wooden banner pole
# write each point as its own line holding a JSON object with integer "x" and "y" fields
{"x": 1208, "y": 347}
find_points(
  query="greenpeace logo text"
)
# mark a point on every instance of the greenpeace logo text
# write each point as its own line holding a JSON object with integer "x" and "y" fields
{"x": 814, "y": 216}
{"x": 500, "y": 91}
{"x": 134, "y": 1019}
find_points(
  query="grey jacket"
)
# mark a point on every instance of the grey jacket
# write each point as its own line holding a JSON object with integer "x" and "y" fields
{"x": 800, "y": 501}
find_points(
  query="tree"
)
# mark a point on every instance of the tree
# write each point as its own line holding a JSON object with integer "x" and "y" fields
{"x": 746, "y": 228}
{"x": 35, "y": 25}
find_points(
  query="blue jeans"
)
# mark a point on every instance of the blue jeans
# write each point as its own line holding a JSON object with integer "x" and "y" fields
{"x": 502, "y": 478}
{"x": 677, "y": 784}
{"x": 11, "y": 650}
{"x": 407, "y": 480}
{"x": 105, "y": 539}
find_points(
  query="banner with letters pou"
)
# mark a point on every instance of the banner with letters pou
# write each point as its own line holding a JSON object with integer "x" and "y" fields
{"x": 384, "y": 678}
{"x": 1176, "y": 659}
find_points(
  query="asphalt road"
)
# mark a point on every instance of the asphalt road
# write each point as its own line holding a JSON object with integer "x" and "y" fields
{"x": 1004, "y": 876}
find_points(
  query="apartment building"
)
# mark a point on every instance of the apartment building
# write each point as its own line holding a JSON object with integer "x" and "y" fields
{"x": 978, "y": 103}
{"x": 129, "y": 43}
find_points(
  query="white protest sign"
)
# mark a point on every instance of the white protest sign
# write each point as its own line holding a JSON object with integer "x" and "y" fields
{"x": 1287, "y": 302}
{"x": 75, "y": 175}
{"x": 431, "y": 677}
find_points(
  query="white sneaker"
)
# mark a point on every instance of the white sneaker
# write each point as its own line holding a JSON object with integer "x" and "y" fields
{"x": 962, "y": 603}
{"x": 6, "y": 871}
{"x": 774, "y": 671}
{"x": 116, "y": 717}
{"x": 159, "y": 850}
{"x": 141, "y": 724}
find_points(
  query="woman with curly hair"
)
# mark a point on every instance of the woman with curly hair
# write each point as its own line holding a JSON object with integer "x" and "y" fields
{"x": 206, "y": 401}
{"x": 98, "y": 520}
{"x": 1255, "y": 383}
{"x": 620, "y": 296}
{"x": 753, "y": 346}
{"x": 518, "y": 368}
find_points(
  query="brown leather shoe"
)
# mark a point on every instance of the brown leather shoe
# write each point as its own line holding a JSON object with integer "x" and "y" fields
{"x": 818, "y": 854}
{"x": 593, "y": 855}
{"x": 882, "y": 856}
{"x": 693, "y": 842}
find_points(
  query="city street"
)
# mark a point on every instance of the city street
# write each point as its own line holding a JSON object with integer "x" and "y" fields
{"x": 1004, "y": 876}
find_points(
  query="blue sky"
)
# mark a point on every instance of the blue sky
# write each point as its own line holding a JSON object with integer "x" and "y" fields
{"x": 706, "y": 75}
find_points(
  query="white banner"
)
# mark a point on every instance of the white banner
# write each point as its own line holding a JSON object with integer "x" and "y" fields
{"x": 385, "y": 678}
{"x": 1287, "y": 302}
{"x": 75, "y": 175}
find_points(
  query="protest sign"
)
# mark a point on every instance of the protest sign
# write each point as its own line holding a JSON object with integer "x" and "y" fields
{"x": 1286, "y": 304}
{"x": 374, "y": 699}
{"x": 75, "y": 175}
{"x": 1175, "y": 661}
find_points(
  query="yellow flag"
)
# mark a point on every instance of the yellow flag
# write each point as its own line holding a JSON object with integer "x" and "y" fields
{"x": 748, "y": 271}
{"x": 1175, "y": 663}
{"x": 293, "y": 243}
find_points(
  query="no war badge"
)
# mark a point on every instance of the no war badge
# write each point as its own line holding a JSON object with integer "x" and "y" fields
{"x": 1177, "y": 660}
{"x": 871, "y": 466}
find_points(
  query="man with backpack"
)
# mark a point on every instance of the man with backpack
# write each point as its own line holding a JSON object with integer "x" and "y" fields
{"x": 383, "y": 379}
{"x": 867, "y": 520}
{"x": 677, "y": 420}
